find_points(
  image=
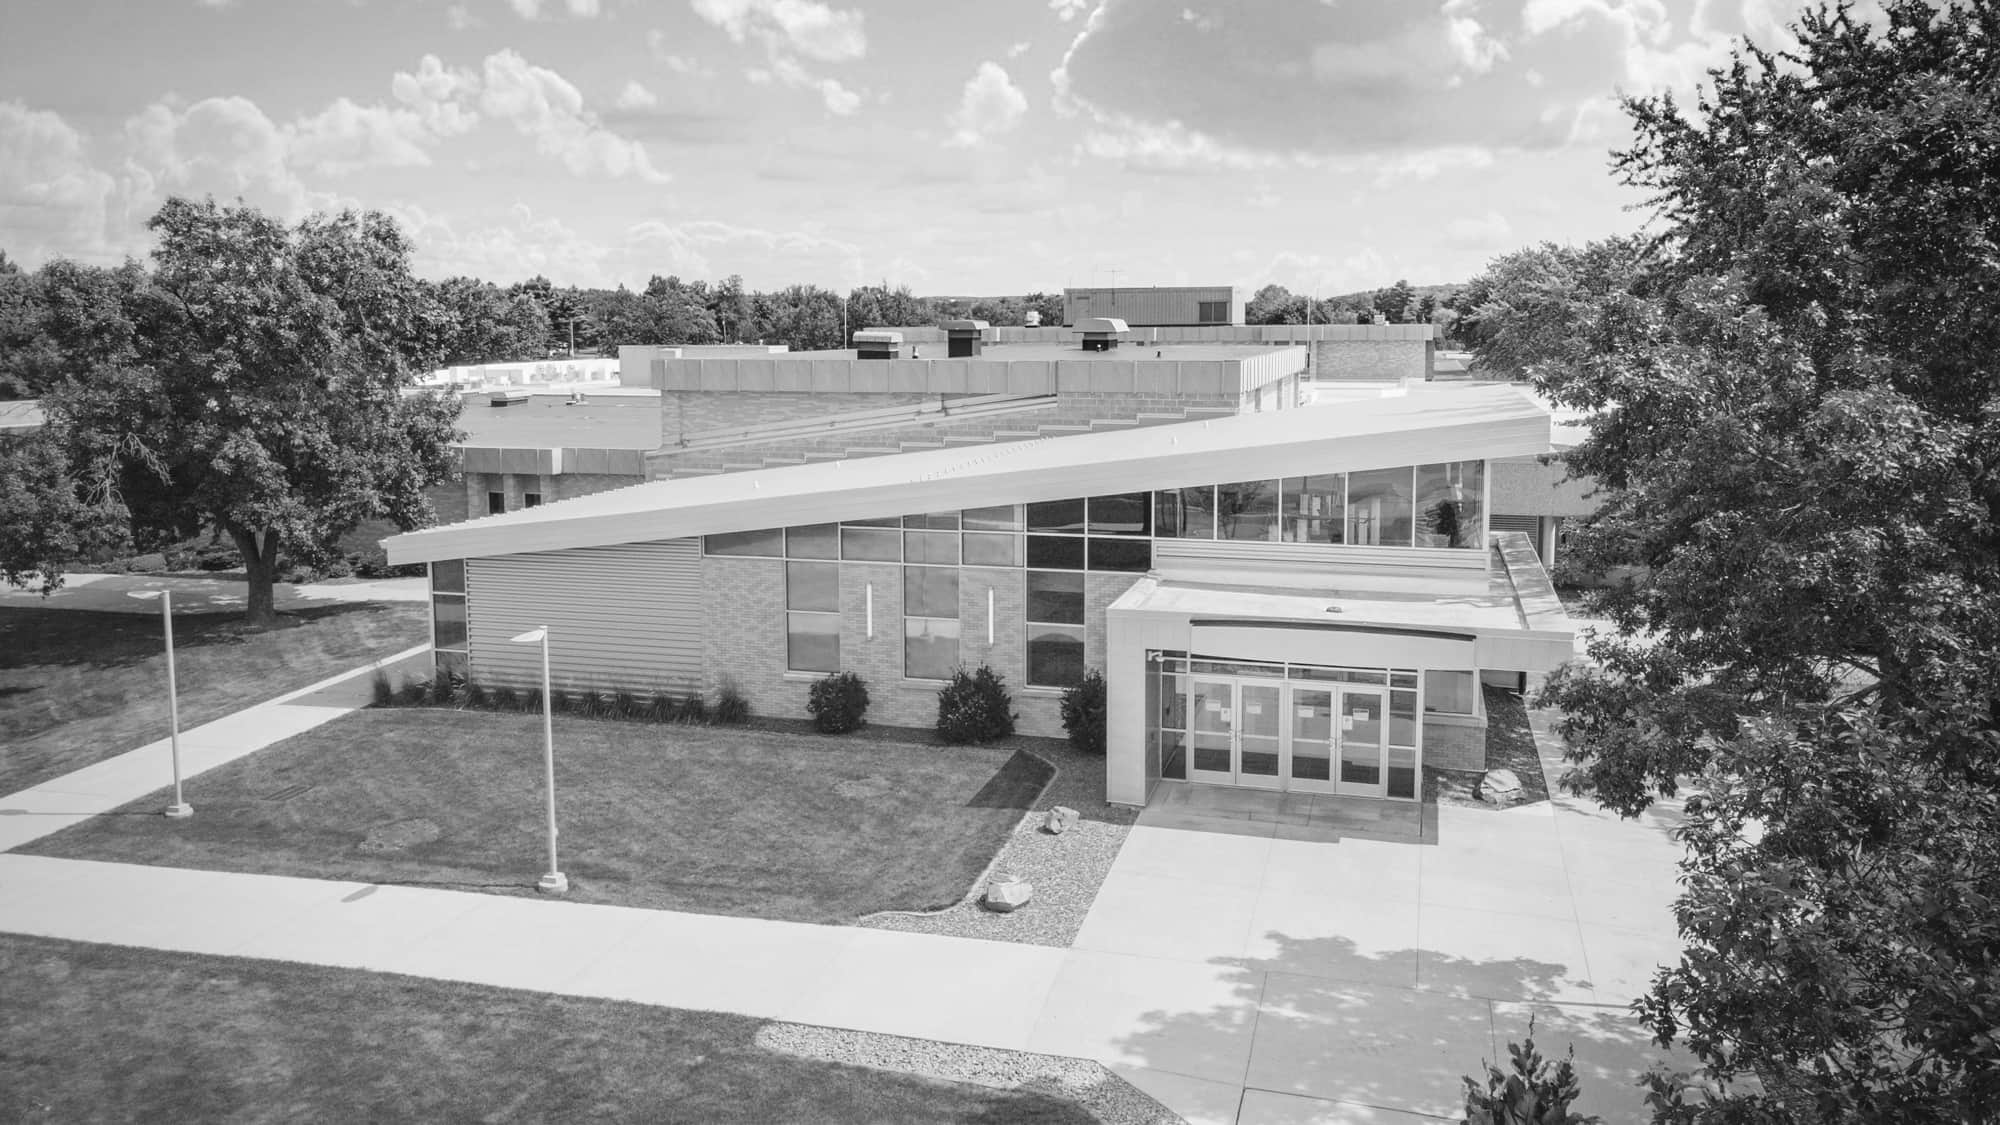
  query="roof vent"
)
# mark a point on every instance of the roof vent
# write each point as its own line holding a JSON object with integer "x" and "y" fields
{"x": 1101, "y": 333}
{"x": 878, "y": 343}
{"x": 964, "y": 338}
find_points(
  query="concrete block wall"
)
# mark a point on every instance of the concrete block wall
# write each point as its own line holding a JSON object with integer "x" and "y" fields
{"x": 1388, "y": 360}
{"x": 743, "y": 627}
{"x": 1099, "y": 591}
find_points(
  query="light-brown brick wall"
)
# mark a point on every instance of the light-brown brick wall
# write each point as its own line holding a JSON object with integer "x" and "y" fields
{"x": 1459, "y": 745}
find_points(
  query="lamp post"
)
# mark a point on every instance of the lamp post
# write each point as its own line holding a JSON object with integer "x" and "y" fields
{"x": 180, "y": 809}
{"x": 555, "y": 882}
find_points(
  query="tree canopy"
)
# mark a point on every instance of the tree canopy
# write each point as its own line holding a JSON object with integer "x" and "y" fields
{"x": 1796, "y": 429}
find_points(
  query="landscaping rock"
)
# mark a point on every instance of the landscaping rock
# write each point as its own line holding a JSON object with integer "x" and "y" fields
{"x": 1060, "y": 820}
{"x": 1008, "y": 893}
{"x": 1500, "y": 787}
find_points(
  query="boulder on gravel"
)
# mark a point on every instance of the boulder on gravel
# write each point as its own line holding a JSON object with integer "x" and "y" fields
{"x": 1500, "y": 787}
{"x": 1007, "y": 893}
{"x": 1060, "y": 820}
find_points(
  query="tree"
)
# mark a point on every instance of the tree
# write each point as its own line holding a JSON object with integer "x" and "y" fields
{"x": 1395, "y": 302}
{"x": 48, "y": 521}
{"x": 1552, "y": 305}
{"x": 803, "y": 317}
{"x": 262, "y": 394}
{"x": 485, "y": 324}
{"x": 1048, "y": 305}
{"x": 1269, "y": 306}
{"x": 734, "y": 312}
{"x": 882, "y": 307}
{"x": 1796, "y": 429}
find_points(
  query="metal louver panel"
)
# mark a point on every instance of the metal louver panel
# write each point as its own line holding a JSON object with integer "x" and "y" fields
{"x": 1529, "y": 524}
{"x": 626, "y": 616}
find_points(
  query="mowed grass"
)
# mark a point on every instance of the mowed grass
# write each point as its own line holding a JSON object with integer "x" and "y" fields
{"x": 105, "y": 1033}
{"x": 760, "y": 824}
{"x": 77, "y": 687}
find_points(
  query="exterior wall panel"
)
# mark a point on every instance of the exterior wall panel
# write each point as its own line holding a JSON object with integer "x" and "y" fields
{"x": 619, "y": 617}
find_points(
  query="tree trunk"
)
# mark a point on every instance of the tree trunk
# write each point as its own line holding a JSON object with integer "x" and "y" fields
{"x": 260, "y": 569}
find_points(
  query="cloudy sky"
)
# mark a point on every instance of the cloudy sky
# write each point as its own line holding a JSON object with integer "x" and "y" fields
{"x": 959, "y": 147}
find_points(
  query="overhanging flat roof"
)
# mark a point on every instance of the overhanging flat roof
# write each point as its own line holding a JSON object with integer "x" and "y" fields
{"x": 1458, "y": 424}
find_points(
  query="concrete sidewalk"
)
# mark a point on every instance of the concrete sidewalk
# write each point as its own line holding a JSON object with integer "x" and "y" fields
{"x": 99, "y": 788}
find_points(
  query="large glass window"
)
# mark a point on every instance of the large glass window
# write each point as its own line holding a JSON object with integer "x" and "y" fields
{"x": 812, "y": 616}
{"x": 1451, "y": 504}
{"x": 1055, "y": 552}
{"x": 1451, "y": 693}
{"x": 930, "y": 547}
{"x": 984, "y": 549}
{"x": 1129, "y": 513}
{"x": 1055, "y": 628}
{"x": 1121, "y": 554}
{"x": 818, "y": 541}
{"x": 930, "y": 622}
{"x": 1378, "y": 508}
{"x": 1006, "y": 517}
{"x": 1185, "y": 513}
{"x": 871, "y": 544}
{"x": 1314, "y": 509}
{"x": 769, "y": 543}
{"x": 1057, "y": 515}
{"x": 450, "y": 650}
{"x": 1247, "y": 510}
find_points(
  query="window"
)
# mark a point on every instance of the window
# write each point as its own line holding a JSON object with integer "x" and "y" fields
{"x": 930, "y": 622}
{"x": 930, "y": 547}
{"x": 1247, "y": 510}
{"x": 1006, "y": 517}
{"x": 1121, "y": 554}
{"x": 531, "y": 499}
{"x": 814, "y": 541}
{"x": 448, "y": 618}
{"x": 1055, "y": 552}
{"x": 1314, "y": 509}
{"x": 1185, "y": 513}
{"x": 769, "y": 543}
{"x": 496, "y": 502}
{"x": 1451, "y": 504}
{"x": 1130, "y": 513}
{"x": 992, "y": 550}
{"x": 1378, "y": 508}
{"x": 812, "y": 616}
{"x": 1450, "y": 693}
{"x": 1065, "y": 516}
{"x": 1212, "y": 312}
{"x": 871, "y": 544}
{"x": 1055, "y": 628}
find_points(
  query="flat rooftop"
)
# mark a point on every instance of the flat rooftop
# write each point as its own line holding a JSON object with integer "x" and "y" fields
{"x": 1007, "y": 353}
{"x": 551, "y": 421}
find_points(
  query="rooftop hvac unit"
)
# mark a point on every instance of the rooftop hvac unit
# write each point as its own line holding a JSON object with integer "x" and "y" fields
{"x": 964, "y": 338}
{"x": 1101, "y": 333}
{"x": 878, "y": 343}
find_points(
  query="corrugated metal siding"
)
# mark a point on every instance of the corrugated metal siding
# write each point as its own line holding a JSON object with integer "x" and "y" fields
{"x": 626, "y": 616}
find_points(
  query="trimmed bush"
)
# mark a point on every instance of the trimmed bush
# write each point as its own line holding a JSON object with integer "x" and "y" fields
{"x": 1083, "y": 712}
{"x": 975, "y": 707}
{"x": 838, "y": 703}
{"x": 383, "y": 692}
{"x": 730, "y": 706}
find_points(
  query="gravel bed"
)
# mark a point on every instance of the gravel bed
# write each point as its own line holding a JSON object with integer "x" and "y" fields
{"x": 1090, "y": 1085}
{"x": 1065, "y": 870}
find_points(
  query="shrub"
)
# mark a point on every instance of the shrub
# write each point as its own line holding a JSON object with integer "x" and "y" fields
{"x": 477, "y": 697}
{"x": 693, "y": 709}
{"x": 595, "y": 705}
{"x": 1529, "y": 1096}
{"x": 531, "y": 701}
{"x": 413, "y": 693}
{"x": 384, "y": 692}
{"x": 506, "y": 699}
{"x": 1083, "y": 712}
{"x": 838, "y": 702}
{"x": 624, "y": 705}
{"x": 659, "y": 707}
{"x": 730, "y": 706}
{"x": 975, "y": 707}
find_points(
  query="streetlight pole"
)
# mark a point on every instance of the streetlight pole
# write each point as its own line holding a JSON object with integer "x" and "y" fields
{"x": 554, "y": 882}
{"x": 180, "y": 809}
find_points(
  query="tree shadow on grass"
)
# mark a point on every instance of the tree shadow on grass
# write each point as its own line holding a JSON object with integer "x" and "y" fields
{"x": 33, "y": 636}
{"x": 1320, "y": 1018}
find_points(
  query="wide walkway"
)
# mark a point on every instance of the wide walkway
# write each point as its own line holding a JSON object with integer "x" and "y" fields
{"x": 1239, "y": 965}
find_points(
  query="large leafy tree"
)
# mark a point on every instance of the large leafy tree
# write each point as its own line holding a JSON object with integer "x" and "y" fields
{"x": 1797, "y": 429}
{"x": 482, "y": 323}
{"x": 261, "y": 391}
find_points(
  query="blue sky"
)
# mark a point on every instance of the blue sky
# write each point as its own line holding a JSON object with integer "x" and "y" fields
{"x": 957, "y": 147}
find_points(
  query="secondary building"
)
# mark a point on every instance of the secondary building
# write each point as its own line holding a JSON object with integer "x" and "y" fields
{"x": 1281, "y": 596}
{"x": 1156, "y": 306}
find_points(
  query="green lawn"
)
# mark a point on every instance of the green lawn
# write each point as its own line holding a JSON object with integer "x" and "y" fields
{"x": 715, "y": 820}
{"x": 77, "y": 686}
{"x": 104, "y": 1033}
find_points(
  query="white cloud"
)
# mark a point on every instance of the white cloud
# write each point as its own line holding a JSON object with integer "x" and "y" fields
{"x": 635, "y": 96}
{"x": 227, "y": 146}
{"x": 789, "y": 29}
{"x": 440, "y": 96}
{"x": 1489, "y": 230}
{"x": 808, "y": 27}
{"x": 345, "y": 136}
{"x": 1018, "y": 49}
{"x": 1067, "y": 10}
{"x": 545, "y": 107}
{"x": 990, "y": 105}
{"x": 539, "y": 9}
{"x": 53, "y": 199}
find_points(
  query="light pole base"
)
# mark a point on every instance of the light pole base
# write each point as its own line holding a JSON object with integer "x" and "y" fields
{"x": 179, "y": 812}
{"x": 554, "y": 883}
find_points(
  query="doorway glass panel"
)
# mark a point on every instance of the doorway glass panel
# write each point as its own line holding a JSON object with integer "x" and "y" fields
{"x": 1312, "y": 734}
{"x": 1361, "y": 739}
{"x": 1214, "y": 719}
{"x": 1261, "y": 733}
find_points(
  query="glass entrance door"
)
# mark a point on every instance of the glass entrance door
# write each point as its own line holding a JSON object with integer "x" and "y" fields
{"x": 1311, "y": 758}
{"x": 1260, "y": 734}
{"x": 1212, "y": 722}
{"x": 1359, "y": 728}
